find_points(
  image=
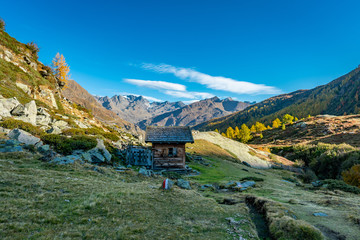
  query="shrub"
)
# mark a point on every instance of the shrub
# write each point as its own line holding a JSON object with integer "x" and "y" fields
{"x": 11, "y": 123}
{"x": 33, "y": 48}
{"x": 309, "y": 176}
{"x": 73, "y": 132}
{"x": 333, "y": 184}
{"x": 257, "y": 179}
{"x": 2, "y": 24}
{"x": 66, "y": 145}
{"x": 352, "y": 176}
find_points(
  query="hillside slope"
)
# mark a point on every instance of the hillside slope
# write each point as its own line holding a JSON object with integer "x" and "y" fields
{"x": 136, "y": 108}
{"x": 196, "y": 113}
{"x": 338, "y": 97}
{"x": 79, "y": 95}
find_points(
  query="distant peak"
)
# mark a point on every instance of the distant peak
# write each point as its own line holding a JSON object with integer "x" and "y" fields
{"x": 228, "y": 99}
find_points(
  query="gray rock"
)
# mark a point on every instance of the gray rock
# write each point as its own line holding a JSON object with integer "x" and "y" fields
{"x": 11, "y": 149}
{"x": 28, "y": 114}
{"x": 301, "y": 125}
{"x": 43, "y": 118}
{"x": 101, "y": 147}
{"x": 54, "y": 130}
{"x": 183, "y": 184}
{"x": 4, "y": 130}
{"x": 60, "y": 124}
{"x": 145, "y": 172}
{"x": 19, "y": 110}
{"x": 39, "y": 144}
{"x": 23, "y": 137}
{"x": 7, "y": 105}
{"x": 12, "y": 142}
{"x": 248, "y": 184}
{"x": 44, "y": 148}
{"x": 66, "y": 159}
{"x": 24, "y": 87}
{"x": 96, "y": 156}
{"x": 320, "y": 214}
{"x": 317, "y": 183}
{"x": 206, "y": 186}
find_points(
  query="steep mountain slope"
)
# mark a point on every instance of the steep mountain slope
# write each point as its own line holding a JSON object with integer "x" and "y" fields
{"x": 30, "y": 92}
{"x": 136, "y": 108}
{"x": 196, "y": 113}
{"x": 338, "y": 97}
{"x": 79, "y": 95}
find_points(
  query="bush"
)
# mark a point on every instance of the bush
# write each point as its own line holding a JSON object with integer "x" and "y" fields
{"x": 2, "y": 24}
{"x": 91, "y": 131}
{"x": 11, "y": 123}
{"x": 309, "y": 176}
{"x": 66, "y": 145}
{"x": 333, "y": 184}
{"x": 33, "y": 48}
{"x": 352, "y": 176}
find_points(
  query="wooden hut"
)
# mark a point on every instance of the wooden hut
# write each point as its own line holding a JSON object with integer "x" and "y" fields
{"x": 168, "y": 145}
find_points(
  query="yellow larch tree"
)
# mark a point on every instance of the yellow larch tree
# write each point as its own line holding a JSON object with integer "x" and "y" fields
{"x": 61, "y": 69}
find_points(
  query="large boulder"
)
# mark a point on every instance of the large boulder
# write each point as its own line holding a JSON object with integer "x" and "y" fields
{"x": 43, "y": 118}
{"x": 7, "y": 105}
{"x": 60, "y": 124}
{"x": 24, "y": 87}
{"x": 101, "y": 148}
{"x": 26, "y": 113}
{"x": 54, "y": 130}
{"x": 23, "y": 137}
{"x": 183, "y": 184}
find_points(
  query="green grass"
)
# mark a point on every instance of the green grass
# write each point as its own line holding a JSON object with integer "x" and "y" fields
{"x": 42, "y": 201}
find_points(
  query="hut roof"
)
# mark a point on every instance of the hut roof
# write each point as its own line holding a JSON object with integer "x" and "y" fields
{"x": 157, "y": 134}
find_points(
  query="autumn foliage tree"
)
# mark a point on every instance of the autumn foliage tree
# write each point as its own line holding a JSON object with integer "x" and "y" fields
{"x": 61, "y": 69}
{"x": 276, "y": 123}
{"x": 2, "y": 24}
{"x": 352, "y": 176}
{"x": 244, "y": 134}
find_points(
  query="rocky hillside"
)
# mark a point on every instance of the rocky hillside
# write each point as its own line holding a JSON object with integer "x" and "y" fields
{"x": 76, "y": 93}
{"x": 196, "y": 113}
{"x": 338, "y": 97}
{"x": 30, "y": 93}
{"x": 136, "y": 108}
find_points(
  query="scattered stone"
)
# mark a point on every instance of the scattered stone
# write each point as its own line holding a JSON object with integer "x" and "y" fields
{"x": 24, "y": 87}
{"x": 23, "y": 137}
{"x": 206, "y": 186}
{"x": 54, "y": 130}
{"x": 26, "y": 113}
{"x": 317, "y": 183}
{"x": 145, "y": 172}
{"x": 43, "y": 118}
{"x": 183, "y": 184}
{"x": 66, "y": 159}
{"x": 60, "y": 124}
{"x": 320, "y": 214}
{"x": 11, "y": 149}
{"x": 44, "y": 148}
{"x": 7, "y": 105}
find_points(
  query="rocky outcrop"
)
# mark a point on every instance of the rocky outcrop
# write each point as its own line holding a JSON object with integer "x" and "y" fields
{"x": 26, "y": 113}
{"x": 23, "y": 137}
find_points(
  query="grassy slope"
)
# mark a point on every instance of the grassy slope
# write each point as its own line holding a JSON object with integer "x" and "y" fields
{"x": 341, "y": 207}
{"x": 42, "y": 201}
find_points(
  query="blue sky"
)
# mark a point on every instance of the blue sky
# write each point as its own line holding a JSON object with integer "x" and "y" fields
{"x": 187, "y": 50}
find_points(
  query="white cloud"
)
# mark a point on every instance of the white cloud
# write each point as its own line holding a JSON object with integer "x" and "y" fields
{"x": 157, "y": 84}
{"x": 189, "y": 95}
{"x": 172, "y": 89}
{"x": 213, "y": 82}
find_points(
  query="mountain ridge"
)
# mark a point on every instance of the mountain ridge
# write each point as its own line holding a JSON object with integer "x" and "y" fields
{"x": 338, "y": 97}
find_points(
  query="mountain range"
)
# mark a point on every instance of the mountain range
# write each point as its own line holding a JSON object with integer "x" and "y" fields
{"x": 139, "y": 110}
{"x": 339, "y": 97}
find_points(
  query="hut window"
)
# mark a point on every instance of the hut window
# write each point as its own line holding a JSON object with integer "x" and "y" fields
{"x": 172, "y": 152}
